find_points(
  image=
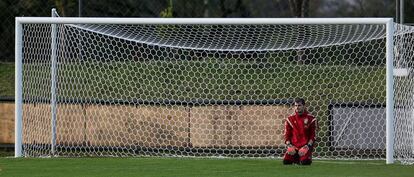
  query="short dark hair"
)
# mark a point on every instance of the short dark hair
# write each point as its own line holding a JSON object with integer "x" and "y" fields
{"x": 300, "y": 100}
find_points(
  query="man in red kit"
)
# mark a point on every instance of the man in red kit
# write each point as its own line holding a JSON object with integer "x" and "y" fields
{"x": 300, "y": 131}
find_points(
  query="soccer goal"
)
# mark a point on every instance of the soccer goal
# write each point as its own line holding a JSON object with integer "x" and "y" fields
{"x": 212, "y": 87}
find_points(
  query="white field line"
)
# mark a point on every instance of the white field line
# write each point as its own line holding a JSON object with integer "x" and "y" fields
{"x": 350, "y": 163}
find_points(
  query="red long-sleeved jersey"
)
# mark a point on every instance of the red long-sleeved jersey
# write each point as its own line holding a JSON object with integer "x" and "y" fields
{"x": 299, "y": 129}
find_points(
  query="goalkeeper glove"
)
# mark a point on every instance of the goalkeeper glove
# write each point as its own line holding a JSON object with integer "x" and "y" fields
{"x": 291, "y": 150}
{"x": 303, "y": 150}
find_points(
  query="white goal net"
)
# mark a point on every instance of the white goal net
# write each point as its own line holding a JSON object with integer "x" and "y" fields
{"x": 199, "y": 89}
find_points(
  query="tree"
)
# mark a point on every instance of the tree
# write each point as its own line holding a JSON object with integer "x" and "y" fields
{"x": 124, "y": 8}
{"x": 65, "y": 7}
{"x": 358, "y": 8}
{"x": 299, "y": 8}
{"x": 168, "y": 12}
{"x": 409, "y": 12}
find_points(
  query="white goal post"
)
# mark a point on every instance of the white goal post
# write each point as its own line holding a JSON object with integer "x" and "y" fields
{"x": 210, "y": 86}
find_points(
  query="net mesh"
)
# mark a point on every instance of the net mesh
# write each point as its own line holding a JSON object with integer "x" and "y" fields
{"x": 211, "y": 90}
{"x": 404, "y": 94}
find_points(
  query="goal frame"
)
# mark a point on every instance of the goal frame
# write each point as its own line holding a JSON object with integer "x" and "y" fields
{"x": 19, "y": 21}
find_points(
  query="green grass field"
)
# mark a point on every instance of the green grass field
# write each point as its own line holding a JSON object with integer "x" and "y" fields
{"x": 187, "y": 80}
{"x": 185, "y": 167}
{"x": 6, "y": 79}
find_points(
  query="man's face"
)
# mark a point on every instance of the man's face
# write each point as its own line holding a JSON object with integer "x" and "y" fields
{"x": 299, "y": 108}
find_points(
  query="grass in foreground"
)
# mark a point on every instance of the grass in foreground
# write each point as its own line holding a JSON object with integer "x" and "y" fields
{"x": 195, "y": 167}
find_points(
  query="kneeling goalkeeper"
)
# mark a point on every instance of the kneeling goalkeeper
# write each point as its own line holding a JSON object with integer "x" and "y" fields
{"x": 300, "y": 131}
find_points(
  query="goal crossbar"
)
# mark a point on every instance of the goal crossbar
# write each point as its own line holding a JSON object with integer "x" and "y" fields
{"x": 205, "y": 21}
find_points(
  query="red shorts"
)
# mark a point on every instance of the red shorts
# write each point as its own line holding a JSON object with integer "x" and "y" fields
{"x": 296, "y": 158}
